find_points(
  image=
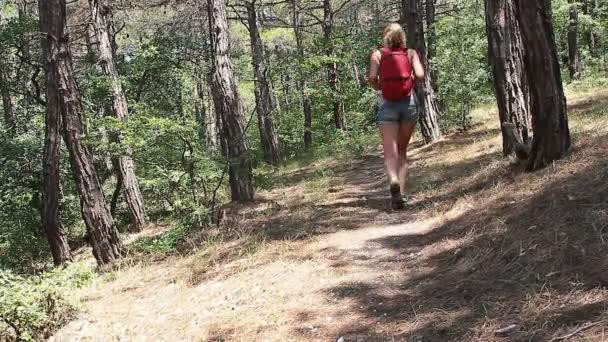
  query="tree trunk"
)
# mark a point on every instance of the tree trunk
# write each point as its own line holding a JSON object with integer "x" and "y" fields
{"x": 228, "y": 104}
{"x": 104, "y": 237}
{"x": 302, "y": 84}
{"x": 377, "y": 13}
{"x": 7, "y": 102}
{"x": 285, "y": 86}
{"x": 204, "y": 116}
{"x": 548, "y": 103}
{"x": 574, "y": 60}
{"x": 360, "y": 81}
{"x": 332, "y": 68}
{"x": 23, "y": 13}
{"x": 263, "y": 102}
{"x": 432, "y": 43}
{"x": 506, "y": 55}
{"x": 428, "y": 109}
{"x": 209, "y": 121}
{"x": 591, "y": 35}
{"x": 101, "y": 12}
{"x": 117, "y": 188}
{"x": 51, "y": 187}
{"x": 51, "y": 178}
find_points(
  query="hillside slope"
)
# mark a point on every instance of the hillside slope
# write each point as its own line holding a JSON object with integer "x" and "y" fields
{"x": 481, "y": 246}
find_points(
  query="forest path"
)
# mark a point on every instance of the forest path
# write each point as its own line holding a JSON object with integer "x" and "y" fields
{"x": 322, "y": 258}
{"x": 323, "y": 235}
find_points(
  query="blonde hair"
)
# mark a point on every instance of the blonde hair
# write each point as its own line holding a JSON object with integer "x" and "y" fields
{"x": 394, "y": 37}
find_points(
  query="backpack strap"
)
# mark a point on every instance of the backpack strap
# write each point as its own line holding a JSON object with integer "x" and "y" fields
{"x": 383, "y": 51}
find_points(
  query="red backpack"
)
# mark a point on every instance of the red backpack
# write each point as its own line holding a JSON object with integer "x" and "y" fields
{"x": 396, "y": 70}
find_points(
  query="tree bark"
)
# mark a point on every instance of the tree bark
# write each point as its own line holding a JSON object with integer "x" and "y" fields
{"x": 263, "y": 102}
{"x": 548, "y": 104}
{"x": 51, "y": 187}
{"x": 428, "y": 108}
{"x": 228, "y": 105}
{"x": 205, "y": 117}
{"x": 22, "y": 11}
{"x": 51, "y": 178}
{"x": 101, "y": 12}
{"x": 286, "y": 88}
{"x": 302, "y": 84}
{"x": 210, "y": 124}
{"x": 506, "y": 55}
{"x": 104, "y": 237}
{"x": 431, "y": 42}
{"x": 574, "y": 60}
{"x": 7, "y": 102}
{"x": 332, "y": 68}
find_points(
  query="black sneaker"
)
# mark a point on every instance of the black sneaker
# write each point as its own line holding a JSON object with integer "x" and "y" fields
{"x": 396, "y": 198}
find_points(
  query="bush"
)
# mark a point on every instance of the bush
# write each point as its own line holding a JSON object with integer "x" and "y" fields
{"x": 31, "y": 308}
{"x": 163, "y": 244}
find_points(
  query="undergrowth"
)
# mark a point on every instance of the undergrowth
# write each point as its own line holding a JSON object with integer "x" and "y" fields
{"x": 33, "y": 307}
{"x": 163, "y": 244}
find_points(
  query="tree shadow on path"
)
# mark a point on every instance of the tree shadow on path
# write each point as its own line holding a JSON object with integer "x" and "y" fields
{"x": 357, "y": 194}
{"x": 533, "y": 257}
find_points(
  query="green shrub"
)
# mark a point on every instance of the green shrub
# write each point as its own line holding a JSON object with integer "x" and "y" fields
{"x": 163, "y": 244}
{"x": 31, "y": 308}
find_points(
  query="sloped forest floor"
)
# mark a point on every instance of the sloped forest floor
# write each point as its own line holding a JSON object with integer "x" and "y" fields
{"x": 483, "y": 252}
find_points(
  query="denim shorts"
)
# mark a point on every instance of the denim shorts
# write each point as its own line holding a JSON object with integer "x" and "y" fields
{"x": 398, "y": 111}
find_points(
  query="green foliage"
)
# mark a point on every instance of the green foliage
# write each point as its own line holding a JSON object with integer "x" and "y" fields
{"x": 31, "y": 308}
{"x": 464, "y": 78}
{"x": 590, "y": 21}
{"x": 163, "y": 61}
{"x": 163, "y": 244}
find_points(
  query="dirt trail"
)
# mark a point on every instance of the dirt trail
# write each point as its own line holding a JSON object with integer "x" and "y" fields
{"x": 292, "y": 293}
{"x": 462, "y": 261}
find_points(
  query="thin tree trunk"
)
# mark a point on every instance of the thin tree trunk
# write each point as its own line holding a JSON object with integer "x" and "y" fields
{"x": 23, "y": 13}
{"x": 432, "y": 43}
{"x": 507, "y": 60}
{"x": 228, "y": 105}
{"x": 104, "y": 237}
{"x": 200, "y": 110}
{"x": 360, "y": 81}
{"x": 574, "y": 60}
{"x": 263, "y": 102}
{"x": 302, "y": 84}
{"x": 7, "y": 102}
{"x": 548, "y": 104}
{"x": 593, "y": 38}
{"x": 209, "y": 120}
{"x": 590, "y": 35}
{"x": 428, "y": 108}
{"x": 285, "y": 80}
{"x": 307, "y": 107}
{"x": 101, "y": 12}
{"x": 117, "y": 190}
{"x": 377, "y": 13}
{"x": 332, "y": 69}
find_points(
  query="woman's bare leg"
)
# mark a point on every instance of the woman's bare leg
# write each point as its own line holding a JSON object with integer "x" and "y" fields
{"x": 406, "y": 130}
{"x": 390, "y": 134}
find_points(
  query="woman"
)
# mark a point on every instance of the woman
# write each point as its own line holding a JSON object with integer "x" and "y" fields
{"x": 393, "y": 70}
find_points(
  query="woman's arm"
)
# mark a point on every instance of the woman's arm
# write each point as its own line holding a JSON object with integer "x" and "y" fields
{"x": 417, "y": 66}
{"x": 374, "y": 70}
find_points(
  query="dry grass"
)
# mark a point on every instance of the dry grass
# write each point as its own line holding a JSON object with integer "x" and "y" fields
{"x": 482, "y": 245}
